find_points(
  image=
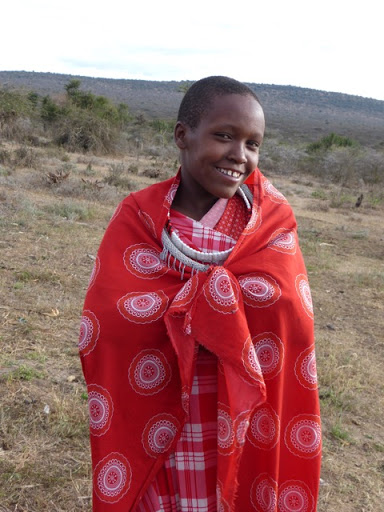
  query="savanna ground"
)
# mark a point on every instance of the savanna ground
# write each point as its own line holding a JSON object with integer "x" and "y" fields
{"x": 54, "y": 208}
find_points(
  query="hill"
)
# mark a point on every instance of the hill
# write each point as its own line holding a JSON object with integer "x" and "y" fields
{"x": 294, "y": 111}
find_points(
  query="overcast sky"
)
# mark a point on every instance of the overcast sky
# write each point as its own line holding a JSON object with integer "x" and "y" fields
{"x": 332, "y": 45}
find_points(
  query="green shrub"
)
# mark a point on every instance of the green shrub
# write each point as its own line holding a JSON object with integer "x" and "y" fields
{"x": 49, "y": 110}
{"x": 330, "y": 141}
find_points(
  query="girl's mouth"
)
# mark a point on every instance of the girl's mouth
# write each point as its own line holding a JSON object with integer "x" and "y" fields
{"x": 228, "y": 172}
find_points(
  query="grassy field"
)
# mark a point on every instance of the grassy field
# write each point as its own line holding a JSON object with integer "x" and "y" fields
{"x": 54, "y": 208}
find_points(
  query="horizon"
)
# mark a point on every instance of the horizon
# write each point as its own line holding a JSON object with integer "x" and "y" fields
{"x": 185, "y": 80}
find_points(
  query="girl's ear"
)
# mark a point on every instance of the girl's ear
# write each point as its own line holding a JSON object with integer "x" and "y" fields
{"x": 180, "y": 133}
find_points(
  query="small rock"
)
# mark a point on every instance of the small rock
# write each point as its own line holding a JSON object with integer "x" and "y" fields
{"x": 331, "y": 327}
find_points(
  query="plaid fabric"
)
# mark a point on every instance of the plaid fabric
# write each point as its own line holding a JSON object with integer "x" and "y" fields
{"x": 199, "y": 237}
{"x": 187, "y": 481}
{"x": 218, "y": 230}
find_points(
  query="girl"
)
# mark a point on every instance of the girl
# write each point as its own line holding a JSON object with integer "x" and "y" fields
{"x": 197, "y": 332}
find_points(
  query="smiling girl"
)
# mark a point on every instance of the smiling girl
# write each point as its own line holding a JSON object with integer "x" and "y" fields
{"x": 197, "y": 333}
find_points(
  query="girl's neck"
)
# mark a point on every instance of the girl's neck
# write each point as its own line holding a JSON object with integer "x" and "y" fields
{"x": 193, "y": 206}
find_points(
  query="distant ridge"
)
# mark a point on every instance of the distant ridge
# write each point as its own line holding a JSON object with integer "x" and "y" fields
{"x": 294, "y": 111}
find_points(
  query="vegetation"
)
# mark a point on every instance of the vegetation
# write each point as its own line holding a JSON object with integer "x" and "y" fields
{"x": 333, "y": 140}
{"x": 57, "y": 195}
{"x": 81, "y": 121}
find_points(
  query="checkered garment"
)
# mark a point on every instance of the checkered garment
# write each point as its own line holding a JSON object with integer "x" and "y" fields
{"x": 187, "y": 481}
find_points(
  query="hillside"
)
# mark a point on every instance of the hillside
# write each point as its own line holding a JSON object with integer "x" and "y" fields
{"x": 294, "y": 111}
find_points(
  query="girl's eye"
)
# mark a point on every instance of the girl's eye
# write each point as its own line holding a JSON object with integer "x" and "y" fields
{"x": 253, "y": 144}
{"x": 224, "y": 136}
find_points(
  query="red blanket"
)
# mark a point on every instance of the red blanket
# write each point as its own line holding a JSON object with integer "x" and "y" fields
{"x": 139, "y": 334}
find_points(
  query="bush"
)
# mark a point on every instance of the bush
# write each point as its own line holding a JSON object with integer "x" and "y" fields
{"x": 14, "y": 107}
{"x": 117, "y": 177}
{"x": 25, "y": 157}
{"x": 331, "y": 141}
{"x": 81, "y": 131}
{"x": 347, "y": 166}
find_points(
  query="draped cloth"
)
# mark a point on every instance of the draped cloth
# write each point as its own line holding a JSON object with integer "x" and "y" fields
{"x": 146, "y": 313}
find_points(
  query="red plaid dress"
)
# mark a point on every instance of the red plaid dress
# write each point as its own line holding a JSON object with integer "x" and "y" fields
{"x": 187, "y": 481}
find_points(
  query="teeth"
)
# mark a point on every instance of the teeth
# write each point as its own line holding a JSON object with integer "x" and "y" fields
{"x": 235, "y": 174}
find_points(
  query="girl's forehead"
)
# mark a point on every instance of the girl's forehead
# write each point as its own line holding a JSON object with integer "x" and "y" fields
{"x": 234, "y": 108}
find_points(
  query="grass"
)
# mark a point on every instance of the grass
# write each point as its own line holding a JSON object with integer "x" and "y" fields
{"x": 340, "y": 434}
{"x": 71, "y": 210}
{"x": 48, "y": 238}
{"x": 319, "y": 194}
{"x": 25, "y": 373}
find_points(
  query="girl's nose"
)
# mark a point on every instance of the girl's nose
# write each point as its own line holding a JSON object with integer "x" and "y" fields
{"x": 237, "y": 154}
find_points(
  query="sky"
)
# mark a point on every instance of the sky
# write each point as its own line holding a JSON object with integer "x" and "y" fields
{"x": 332, "y": 45}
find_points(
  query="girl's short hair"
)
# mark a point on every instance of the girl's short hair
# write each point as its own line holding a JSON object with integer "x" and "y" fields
{"x": 200, "y": 95}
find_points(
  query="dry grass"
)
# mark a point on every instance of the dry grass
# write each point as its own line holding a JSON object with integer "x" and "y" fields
{"x": 49, "y": 236}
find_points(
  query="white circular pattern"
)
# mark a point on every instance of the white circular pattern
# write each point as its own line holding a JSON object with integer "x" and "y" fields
{"x": 264, "y": 430}
{"x": 259, "y": 290}
{"x": 222, "y": 505}
{"x": 270, "y": 352}
{"x": 283, "y": 240}
{"x": 182, "y": 294}
{"x": 185, "y": 295}
{"x": 112, "y": 477}
{"x": 144, "y": 261}
{"x": 159, "y": 434}
{"x": 222, "y": 292}
{"x": 225, "y": 433}
{"x": 254, "y": 222}
{"x": 89, "y": 332}
{"x": 264, "y": 493}
{"x": 251, "y": 362}
{"x": 305, "y": 436}
{"x": 98, "y": 410}
{"x": 86, "y": 332}
{"x": 268, "y": 355}
{"x": 295, "y": 496}
{"x": 171, "y": 193}
{"x": 149, "y": 372}
{"x": 273, "y": 193}
{"x": 142, "y": 307}
{"x": 304, "y": 291}
{"x": 100, "y": 407}
{"x": 308, "y": 368}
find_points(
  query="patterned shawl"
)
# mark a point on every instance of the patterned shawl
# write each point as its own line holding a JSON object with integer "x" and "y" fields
{"x": 145, "y": 313}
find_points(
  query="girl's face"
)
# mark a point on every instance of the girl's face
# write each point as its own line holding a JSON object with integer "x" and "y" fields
{"x": 223, "y": 150}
